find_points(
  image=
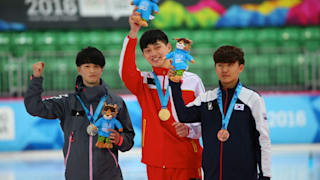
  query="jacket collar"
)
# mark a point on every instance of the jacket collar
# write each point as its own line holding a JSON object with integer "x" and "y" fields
{"x": 160, "y": 71}
{"x": 228, "y": 89}
{"x": 90, "y": 94}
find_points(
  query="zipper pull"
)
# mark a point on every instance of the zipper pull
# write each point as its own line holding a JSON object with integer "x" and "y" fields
{"x": 72, "y": 138}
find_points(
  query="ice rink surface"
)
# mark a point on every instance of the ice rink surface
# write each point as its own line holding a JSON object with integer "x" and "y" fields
{"x": 289, "y": 162}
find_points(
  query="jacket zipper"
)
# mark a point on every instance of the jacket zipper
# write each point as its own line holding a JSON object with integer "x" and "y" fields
{"x": 163, "y": 81}
{"x": 143, "y": 131}
{"x": 90, "y": 150}
{"x": 221, "y": 146}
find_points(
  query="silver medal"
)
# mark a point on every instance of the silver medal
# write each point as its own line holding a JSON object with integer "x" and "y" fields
{"x": 92, "y": 130}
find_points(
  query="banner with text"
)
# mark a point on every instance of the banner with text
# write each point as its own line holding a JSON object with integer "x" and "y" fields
{"x": 98, "y": 14}
{"x": 292, "y": 119}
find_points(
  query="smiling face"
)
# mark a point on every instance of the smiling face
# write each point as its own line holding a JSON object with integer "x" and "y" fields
{"x": 228, "y": 73}
{"x": 155, "y": 53}
{"x": 91, "y": 74}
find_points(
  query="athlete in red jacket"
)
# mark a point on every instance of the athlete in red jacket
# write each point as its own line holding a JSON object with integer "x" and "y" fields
{"x": 170, "y": 150}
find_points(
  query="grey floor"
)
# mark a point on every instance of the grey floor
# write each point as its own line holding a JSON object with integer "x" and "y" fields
{"x": 298, "y": 162}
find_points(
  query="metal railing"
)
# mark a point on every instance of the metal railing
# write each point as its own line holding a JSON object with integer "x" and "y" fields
{"x": 60, "y": 73}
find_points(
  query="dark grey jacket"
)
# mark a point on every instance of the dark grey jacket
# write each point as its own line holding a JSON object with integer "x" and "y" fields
{"x": 83, "y": 160}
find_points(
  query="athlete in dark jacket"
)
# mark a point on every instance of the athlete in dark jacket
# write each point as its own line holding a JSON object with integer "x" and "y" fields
{"x": 83, "y": 160}
{"x": 234, "y": 123}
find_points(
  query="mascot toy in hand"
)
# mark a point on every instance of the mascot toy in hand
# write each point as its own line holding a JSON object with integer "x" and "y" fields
{"x": 145, "y": 9}
{"x": 106, "y": 122}
{"x": 179, "y": 58}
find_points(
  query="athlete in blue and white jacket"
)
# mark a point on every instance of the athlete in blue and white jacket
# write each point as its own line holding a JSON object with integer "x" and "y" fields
{"x": 248, "y": 146}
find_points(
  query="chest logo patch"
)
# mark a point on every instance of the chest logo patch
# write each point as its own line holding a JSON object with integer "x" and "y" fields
{"x": 210, "y": 106}
{"x": 239, "y": 107}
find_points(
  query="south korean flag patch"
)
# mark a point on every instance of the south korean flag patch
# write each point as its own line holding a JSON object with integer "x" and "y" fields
{"x": 239, "y": 107}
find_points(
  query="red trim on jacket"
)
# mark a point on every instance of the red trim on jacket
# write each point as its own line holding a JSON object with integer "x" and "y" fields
{"x": 121, "y": 141}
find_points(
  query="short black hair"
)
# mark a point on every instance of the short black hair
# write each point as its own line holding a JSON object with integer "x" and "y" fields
{"x": 228, "y": 54}
{"x": 151, "y": 37}
{"x": 90, "y": 55}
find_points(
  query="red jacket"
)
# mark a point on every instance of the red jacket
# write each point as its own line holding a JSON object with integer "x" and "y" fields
{"x": 161, "y": 147}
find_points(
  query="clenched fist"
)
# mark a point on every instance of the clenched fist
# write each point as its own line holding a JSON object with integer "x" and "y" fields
{"x": 38, "y": 69}
{"x": 182, "y": 130}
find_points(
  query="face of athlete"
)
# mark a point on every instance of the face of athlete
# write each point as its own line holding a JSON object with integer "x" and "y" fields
{"x": 228, "y": 73}
{"x": 91, "y": 74}
{"x": 155, "y": 53}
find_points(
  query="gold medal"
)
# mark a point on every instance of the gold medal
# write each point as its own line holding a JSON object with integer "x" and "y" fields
{"x": 164, "y": 114}
{"x": 92, "y": 130}
{"x": 223, "y": 135}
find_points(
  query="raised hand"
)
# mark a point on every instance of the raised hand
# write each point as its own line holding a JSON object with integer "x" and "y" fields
{"x": 38, "y": 69}
{"x": 134, "y": 26}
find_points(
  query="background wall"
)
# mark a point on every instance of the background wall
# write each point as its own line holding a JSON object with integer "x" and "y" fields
{"x": 93, "y": 14}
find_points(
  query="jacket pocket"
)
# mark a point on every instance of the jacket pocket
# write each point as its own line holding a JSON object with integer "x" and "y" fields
{"x": 70, "y": 141}
{"x": 194, "y": 146}
{"x": 74, "y": 138}
{"x": 144, "y": 124}
{"x": 75, "y": 146}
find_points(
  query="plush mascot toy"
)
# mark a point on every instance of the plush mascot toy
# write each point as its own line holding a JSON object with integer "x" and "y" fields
{"x": 179, "y": 58}
{"x": 145, "y": 9}
{"x": 107, "y": 121}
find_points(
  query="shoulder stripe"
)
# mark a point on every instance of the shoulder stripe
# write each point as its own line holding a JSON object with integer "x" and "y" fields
{"x": 124, "y": 48}
{"x": 58, "y": 97}
{"x": 204, "y": 97}
{"x": 248, "y": 96}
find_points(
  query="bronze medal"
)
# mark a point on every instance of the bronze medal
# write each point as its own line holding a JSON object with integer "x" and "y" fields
{"x": 164, "y": 114}
{"x": 92, "y": 130}
{"x": 223, "y": 135}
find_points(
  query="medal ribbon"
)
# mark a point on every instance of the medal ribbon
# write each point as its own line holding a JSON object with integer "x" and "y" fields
{"x": 226, "y": 119}
{"x": 163, "y": 99}
{"x": 97, "y": 112}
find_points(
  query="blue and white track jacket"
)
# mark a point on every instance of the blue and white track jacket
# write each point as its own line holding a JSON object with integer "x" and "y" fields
{"x": 248, "y": 147}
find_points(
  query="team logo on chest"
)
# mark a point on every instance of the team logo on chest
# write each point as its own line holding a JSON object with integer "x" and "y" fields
{"x": 210, "y": 106}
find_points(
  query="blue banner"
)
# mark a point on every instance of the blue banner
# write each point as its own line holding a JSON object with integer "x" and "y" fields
{"x": 20, "y": 131}
{"x": 292, "y": 119}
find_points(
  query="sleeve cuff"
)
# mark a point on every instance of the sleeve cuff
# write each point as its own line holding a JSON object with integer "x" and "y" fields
{"x": 174, "y": 83}
{"x": 188, "y": 131}
{"x": 131, "y": 38}
{"x": 33, "y": 77}
{"x": 121, "y": 141}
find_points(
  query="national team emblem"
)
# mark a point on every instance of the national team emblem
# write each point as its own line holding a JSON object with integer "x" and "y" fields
{"x": 210, "y": 106}
{"x": 239, "y": 107}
